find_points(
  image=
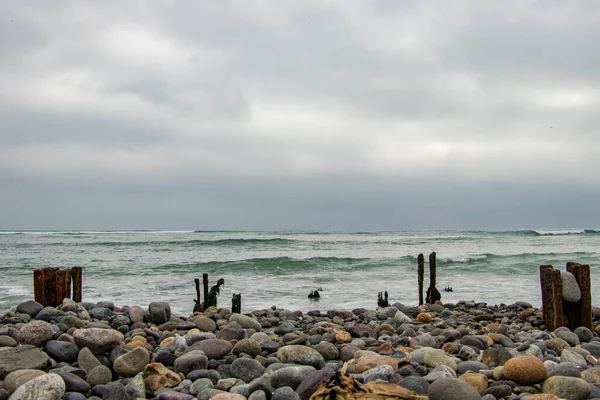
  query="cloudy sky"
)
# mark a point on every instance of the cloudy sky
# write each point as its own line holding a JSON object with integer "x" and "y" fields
{"x": 299, "y": 114}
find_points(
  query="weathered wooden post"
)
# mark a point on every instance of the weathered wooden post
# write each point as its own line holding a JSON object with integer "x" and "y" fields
{"x": 433, "y": 294}
{"x": 566, "y": 309}
{"x": 38, "y": 285}
{"x": 547, "y": 295}
{"x": 197, "y": 303}
{"x": 382, "y": 299}
{"x": 420, "y": 272}
{"x": 236, "y": 303}
{"x": 61, "y": 286}
{"x": 50, "y": 287}
{"x": 205, "y": 284}
{"x": 77, "y": 287}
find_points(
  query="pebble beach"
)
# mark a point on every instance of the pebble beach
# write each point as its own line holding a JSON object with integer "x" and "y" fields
{"x": 464, "y": 350}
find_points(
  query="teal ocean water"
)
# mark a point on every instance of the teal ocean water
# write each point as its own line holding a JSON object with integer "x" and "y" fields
{"x": 281, "y": 268}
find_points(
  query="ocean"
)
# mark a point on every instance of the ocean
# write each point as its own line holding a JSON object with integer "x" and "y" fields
{"x": 282, "y": 268}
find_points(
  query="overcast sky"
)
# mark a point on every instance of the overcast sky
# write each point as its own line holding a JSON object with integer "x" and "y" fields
{"x": 299, "y": 114}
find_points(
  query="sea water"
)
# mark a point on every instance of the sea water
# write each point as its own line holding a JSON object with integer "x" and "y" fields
{"x": 282, "y": 268}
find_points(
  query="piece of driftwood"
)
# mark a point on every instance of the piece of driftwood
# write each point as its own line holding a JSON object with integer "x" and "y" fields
{"x": 556, "y": 310}
{"x": 342, "y": 386}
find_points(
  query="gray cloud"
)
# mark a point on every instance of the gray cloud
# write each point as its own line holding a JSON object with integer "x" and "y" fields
{"x": 294, "y": 115}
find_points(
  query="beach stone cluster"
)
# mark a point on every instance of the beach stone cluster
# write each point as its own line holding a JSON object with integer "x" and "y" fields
{"x": 466, "y": 350}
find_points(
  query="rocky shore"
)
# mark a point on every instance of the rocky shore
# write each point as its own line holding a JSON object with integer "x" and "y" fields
{"x": 440, "y": 351}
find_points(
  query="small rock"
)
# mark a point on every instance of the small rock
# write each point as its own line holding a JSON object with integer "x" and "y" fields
{"x": 285, "y": 393}
{"x": 99, "y": 375}
{"x": 98, "y": 340}
{"x": 62, "y": 351}
{"x": 30, "y": 307}
{"x": 246, "y": 369}
{"x": 160, "y": 312}
{"x": 300, "y": 355}
{"x": 35, "y": 333}
{"x": 19, "y": 377}
{"x": 570, "y": 289}
{"x": 44, "y": 387}
{"x": 567, "y": 387}
{"x": 22, "y": 357}
{"x": 214, "y": 349}
{"x": 526, "y": 370}
{"x": 131, "y": 363}
{"x": 246, "y": 322}
{"x": 451, "y": 389}
{"x": 247, "y": 346}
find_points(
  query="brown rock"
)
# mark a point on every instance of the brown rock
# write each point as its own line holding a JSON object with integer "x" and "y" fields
{"x": 526, "y": 370}
{"x": 543, "y": 396}
{"x": 478, "y": 381}
{"x": 205, "y": 324}
{"x": 157, "y": 376}
{"x": 424, "y": 317}
{"x": 385, "y": 327}
{"x": 343, "y": 337}
{"x": 450, "y": 348}
{"x": 368, "y": 359}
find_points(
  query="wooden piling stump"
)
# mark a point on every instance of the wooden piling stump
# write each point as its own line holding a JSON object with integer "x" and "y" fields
{"x": 38, "y": 285}
{"x": 420, "y": 272}
{"x": 61, "y": 286}
{"x": 236, "y": 303}
{"x": 586, "y": 296}
{"x": 205, "y": 284}
{"x": 547, "y": 296}
{"x": 77, "y": 287}
{"x": 50, "y": 287}
{"x": 557, "y": 300}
